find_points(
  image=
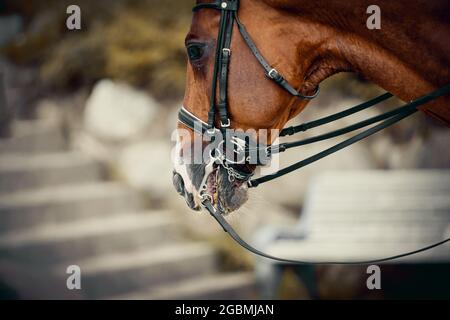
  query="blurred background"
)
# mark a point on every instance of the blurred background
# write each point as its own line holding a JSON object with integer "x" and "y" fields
{"x": 86, "y": 121}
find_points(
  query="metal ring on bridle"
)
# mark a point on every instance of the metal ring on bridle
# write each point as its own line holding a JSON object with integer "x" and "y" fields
{"x": 227, "y": 50}
{"x": 221, "y": 145}
{"x": 218, "y": 157}
{"x": 205, "y": 197}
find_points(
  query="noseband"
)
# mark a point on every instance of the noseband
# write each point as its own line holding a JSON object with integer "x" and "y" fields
{"x": 250, "y": 151}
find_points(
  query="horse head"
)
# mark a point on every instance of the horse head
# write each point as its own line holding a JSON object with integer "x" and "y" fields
{"x": 254, "y": 65}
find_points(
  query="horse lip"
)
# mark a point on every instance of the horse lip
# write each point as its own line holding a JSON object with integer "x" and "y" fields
{"x": 178, "y": 183}
{"x": 211, "y": 183}
{"x": 189, "y": 198}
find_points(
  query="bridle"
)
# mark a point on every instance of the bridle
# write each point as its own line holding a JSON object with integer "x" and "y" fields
{"x": 229, "y": 9}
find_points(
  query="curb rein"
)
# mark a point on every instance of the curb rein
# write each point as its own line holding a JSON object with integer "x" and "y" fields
{"x": 228, "y": 9}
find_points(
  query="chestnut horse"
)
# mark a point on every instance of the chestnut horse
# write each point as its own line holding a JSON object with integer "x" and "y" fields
{"x": 309, "y": 41}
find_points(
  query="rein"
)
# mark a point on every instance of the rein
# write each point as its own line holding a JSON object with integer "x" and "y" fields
{"x": 229, "y": 9}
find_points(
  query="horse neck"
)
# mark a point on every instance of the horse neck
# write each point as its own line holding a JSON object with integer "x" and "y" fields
{"x": 409, "y": 56}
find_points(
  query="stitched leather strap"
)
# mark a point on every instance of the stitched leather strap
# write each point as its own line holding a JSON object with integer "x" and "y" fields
{"x": 336, "y": 116}
{"x": 222, "y": 60}
{"x": 227, "y": 5}
{"x": 392, "y": 117}
{"x": 191, "y": 121}
{"x": 225, "y": 55}
{"x": 271, "y": 72}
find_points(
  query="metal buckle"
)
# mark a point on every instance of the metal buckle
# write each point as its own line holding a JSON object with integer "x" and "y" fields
{"x": 228, "y": 50}
{"x": 268, "y": 151}
{"x": 225, "y": 125}
{"x": 271, "y": 75}
{"x": 205, "y": 197}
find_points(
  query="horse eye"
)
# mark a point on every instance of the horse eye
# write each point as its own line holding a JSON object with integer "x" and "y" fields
{"x": 195, "y": 51}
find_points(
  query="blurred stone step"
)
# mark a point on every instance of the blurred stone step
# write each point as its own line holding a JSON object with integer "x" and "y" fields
{"x": 234, "y": 286}
{"x": 91, "y": 237}
{"x": 366, "y": 215}
{"x": 116, "y": 274}
{"x": 369, "y": 181}
{"x": 21, "y": 172}
{"x": 311, "y": 250}
{"x": 65, "y": 203}
{"x": 33, "y": 136}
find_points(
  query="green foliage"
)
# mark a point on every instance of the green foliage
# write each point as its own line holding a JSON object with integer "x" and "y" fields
{"x": 139, "y": 42}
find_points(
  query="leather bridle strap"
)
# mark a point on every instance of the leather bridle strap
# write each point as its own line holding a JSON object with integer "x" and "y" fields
{"x": 225, "y": 55}
{"x": 303, "y": 163}
{"x": 233, "y": 234}
{"x": 231, "y": 5}
{"x": 336, "y": 133}
{"x": 228, "y": 9}
{"x": 406, "y": 111}
{"x": 394, "y": 116}
{"x": 191, "y": 121}
{"x": 282, "y": 147}
{"x": 216, "y": 72}
{"x": 336, "y": 116}
{"x": 271, "y": 72}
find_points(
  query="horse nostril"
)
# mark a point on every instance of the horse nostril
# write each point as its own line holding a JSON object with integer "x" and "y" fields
{"x": 178, "y": 183}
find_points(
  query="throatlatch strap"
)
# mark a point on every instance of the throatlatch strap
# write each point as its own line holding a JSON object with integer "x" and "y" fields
{"x": 271, "y": 72}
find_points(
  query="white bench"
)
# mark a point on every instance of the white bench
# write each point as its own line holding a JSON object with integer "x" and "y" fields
{"x": 362, "y": 215}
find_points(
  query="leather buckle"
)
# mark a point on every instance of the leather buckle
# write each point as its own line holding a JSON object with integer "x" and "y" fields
{"x": 225, "y": 125}
{"x": 226, "y": 50}
{"x": 211, "y": 131}
{"x": 275, "y": 75}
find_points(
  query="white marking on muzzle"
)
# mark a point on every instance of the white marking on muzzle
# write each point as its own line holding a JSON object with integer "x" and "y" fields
{"x": 181, "y": 168}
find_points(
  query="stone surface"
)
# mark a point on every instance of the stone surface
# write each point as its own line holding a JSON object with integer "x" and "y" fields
{"x": 116, "y": 274}
{"x": 147, "y": 166}
{"x": 34, "y": 136}
{"x": 432, "y": 155}
{"x": 371, "y": 214}
{"x": 20, "y": 172}
{"x": 59, "y": 213}
{"x": 117, "y": 112}
{"x": 214, "y": 287}
{"x": 65, "y": 203}
{"x": 73, "y": 241}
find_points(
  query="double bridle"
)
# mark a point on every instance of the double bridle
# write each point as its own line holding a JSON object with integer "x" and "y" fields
{"x": 249, "y": 151}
